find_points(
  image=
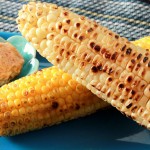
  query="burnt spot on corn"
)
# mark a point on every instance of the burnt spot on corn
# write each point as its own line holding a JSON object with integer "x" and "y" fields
{"x": 129, "y": 106}
{"x": 82, "y": 64}
{"x": 92, "y": 44}
{"x": 85, "y": 54}
{"x": 129, "y": 79}
{"x": 77, "y": 107}
{"x": 121, "y": 86}
{"x": 75, "y": 35}
{"x": 90, "y": 30}
{"x": 110, "y": 79}
{"x": 81, "y": 38}
{"x": 65, "y": 30}
{"x": 61, "y": 51}
{"x": 105, "y": 68}
{"x": 133, "y": 92}
{"x": 149, "y": 64}
{"x": 66, "y": 13}
{"x": 117, "y": 44}
{"x": 133, "y": 109}
{"x": 133, "y": 61}
{"x": 122, "y": 100}
{"x": 110, "y": 34}
{"x": 128, "y": 51}
{"x": 116, "y": 36}
{"x": 145, "y": 59}
{"x": 107, "y": 55}
{"x": 88, "y": 59}
{"x": 137, "y": 67}
{"x": 55, "y": 105}
{"x": 139, "y": 56}
{"x": 97, "y": 48}
{"x": 114, "y": 56}
{"x": 123, "y": 48}
{"x": 57, "y": 60}
{"x": 68, "y": 21}
{"x": 100, "y": 67}
{"x": 127, "y": 90}
{"x": 78, "y": 25}
{"x": 108, "y": 94}
{"x": 68, "y": 53}
{"x": 103, "y": 51}
{"x": 94, "y": 69}
{"x": 110, "y": 71}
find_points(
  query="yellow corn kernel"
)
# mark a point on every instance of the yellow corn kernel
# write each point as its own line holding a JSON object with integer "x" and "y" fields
{"x": 143, "y": 42}
{"x": 89, "y": 52}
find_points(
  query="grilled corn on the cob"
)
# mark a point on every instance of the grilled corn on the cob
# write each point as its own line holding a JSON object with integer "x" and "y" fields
{"x": 43, "y": 99}
{"x": 109, "y": 65}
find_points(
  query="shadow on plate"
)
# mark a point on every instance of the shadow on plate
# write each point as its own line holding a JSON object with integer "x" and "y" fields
{"x": 100, "y": 130}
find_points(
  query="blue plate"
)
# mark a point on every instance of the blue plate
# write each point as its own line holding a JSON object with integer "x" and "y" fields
{"x": 106, "y": 129}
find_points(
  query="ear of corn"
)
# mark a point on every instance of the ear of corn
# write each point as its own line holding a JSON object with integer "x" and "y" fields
{"x": 109, "y": 65}
{"x": 43, "y": 99}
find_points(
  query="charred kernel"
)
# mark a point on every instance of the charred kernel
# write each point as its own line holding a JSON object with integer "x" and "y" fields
{"x": 55, "y": 105}
{"x": 133, "y": 54}
{"x": 99, "y": 67}
{"x": 134, "y": 108}
{"x": 145, "y": 59}
{"x": 92, "y": 44}
{"x": 110, "y": 34}
{"x": 77, "y": 107}
{"x": 105, "y": 68}
{"x": 57, "y": 59}
{"x": 117, "y": 44}
{"x": 90, "y": 30}
{"x": 77, "y": 24}
{"x": 66, "y": 13}
{"x": 65, "y": 30}
{"x": 110, "y": 71}
{"x": 123, "y": 48}
{"x": 121, "y": 86}
{"x": 122, "y": 100}
{"x": 149, "y": 64}
{"x": 103, "y": 50}
{"x": 133, "y": 61}
{"x": 68, "y": 53}
{"x": 127, "y": 90}
{"x": 85, "y": 54}
{"x": 108, "y": 94}
{"x": 139, "y": 56}
{"x": 133, "y": 92}
{"x": 128, "y": 51}
{"x": 129, "y": 106}
{"x": 113, "y": 56}
{"x": 94, "y": 69}
{"x": 116, "y": 36}
{"x": 97, "y": 48}
{"x": 81, "y": 38}
{"x": 129, "y": 79}
{"x": 107, "y": 55}
{"x": 110, "y": 79}
{"x": 61, "y": 51}
{"x": 75, "y": 35}
{"x": 60, "y": 26}
{"x": 68, "y": 21}
{"x": 82, "y": 64}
